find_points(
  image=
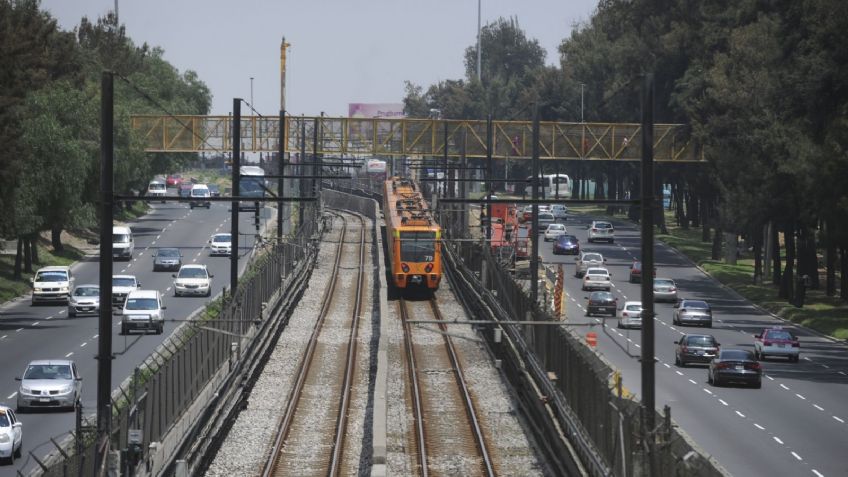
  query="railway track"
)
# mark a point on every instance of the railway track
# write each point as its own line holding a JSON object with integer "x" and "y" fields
{"x": 310, "y": 437}
{"x": 448, "y": 438}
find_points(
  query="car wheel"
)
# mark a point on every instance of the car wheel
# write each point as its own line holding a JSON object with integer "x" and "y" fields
{"x": 709, "y": 377}
{"x": 123, "y": 330}
{"x": 758, "y": 384}
{"x": 160, "y": 329}
{"x": 709, "y": 325}
{"x": 676, "y": 360}
{"x": 209, "y": 292}
{"x": 18, "y": 452}
{"x": 72, "y": 314}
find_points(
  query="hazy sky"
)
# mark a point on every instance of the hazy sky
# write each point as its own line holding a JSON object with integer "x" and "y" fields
{"x": 343, "y": 51}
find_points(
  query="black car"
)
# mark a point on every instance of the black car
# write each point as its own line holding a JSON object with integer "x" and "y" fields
{"x": 566, "y": 245}
{"x": 185, "y": 193}
{"x": 601, "y": 303}
{"x": 735, "y": 365}
{"x": 214, "y": 190}
{"x": 695, "y": 349}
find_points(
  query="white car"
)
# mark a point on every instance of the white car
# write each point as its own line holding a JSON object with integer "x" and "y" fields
{"x": 630, "y": 315}
{"x": 597, "y": 279}
{"x": 122, "y": 285}
{"x": 192, "y": 280}
{"x": 157, "y": 189}
{"x": 11, "y": 435}
{"x": 601, "y": 230}
{"x": 220, "y": 244}
{"x": 587, "y": 260}
{"x": 85, "y": 300}
{"x": 553, "y": 231}
{"x": 560, "y": 212}
{"x": 143, "y": 310}
{"x": 51, "y": 284}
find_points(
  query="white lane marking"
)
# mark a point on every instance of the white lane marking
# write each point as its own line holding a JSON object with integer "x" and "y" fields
{"x": 740, "y": 414}
{"x": 795, "y": 455}
{"x": 692, "y": 381}
{"x": 69, "y": 354}
{"x": 3, "y": 337}
{"x": 818, "y": 407}
{"x": 678, "y": 372}
{"x": 158, "y": 236}
{"x": 153, "y": 243}
{"x": 759, "y": 427}
{"x": 784, "y": 386}
{"x": 667, "y": 365}
{"x": 673, "y": 328}
{"x": 19, "y": 330}
{"x": 800, "y": 397}
{"x": 124, "y": 270}
{"x": 61, "y": 312}
{"x": 637, "y": 345}
{"x": 777, "y": 439}
{"x": 624, "y": 296}
{"x": 824, "y": 366}
{"x": 168, "y": 289}
{"x": 94, "y": 337}
{"x": 83, "y": 345}
{"x": 838, "y": 419}
{"x": 36, "y": 323}
{"x": 841, "y": 372}
{"x": 12, "y": 395}
{"x": 708, "y": 391}
{"x": 629, "y": 340}
{"x": 770, "y": 378}
{"x": 722, "y": 401}
{"x": 808, "y": 359}
{"x": 140, "y": 255}
{"x": 818, "y": 474}
{"x": 49, "y": 318}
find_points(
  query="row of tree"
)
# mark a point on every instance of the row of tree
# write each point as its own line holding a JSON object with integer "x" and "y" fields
{"x": 763, "y": 85}
{"x": 50, "y": 119}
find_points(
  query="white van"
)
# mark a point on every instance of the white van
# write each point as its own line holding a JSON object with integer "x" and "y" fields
{"x": 200, "y": 196}
{"x": 52, "y": 284}
{"x": 157, "y": 189}
{"x": 123, "y": 244}
{"x": 143, "y": 310}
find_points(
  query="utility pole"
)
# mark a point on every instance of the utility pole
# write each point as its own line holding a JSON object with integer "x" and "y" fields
{"x": 647, "y": 287}
{"x": 282, "y": 207}
{"x": 234, "y": 209}
{"x": 104, "y": 341}
{"x": 534, "y": 232}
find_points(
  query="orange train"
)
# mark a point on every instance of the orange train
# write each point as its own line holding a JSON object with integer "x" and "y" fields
{"x": 413, "y": 237}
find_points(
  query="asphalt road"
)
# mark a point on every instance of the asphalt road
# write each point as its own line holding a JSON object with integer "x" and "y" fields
{"x": 45, "y": 331}
{"x": 796, "y": 425}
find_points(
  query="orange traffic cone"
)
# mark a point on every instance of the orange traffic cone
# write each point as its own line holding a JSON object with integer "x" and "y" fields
{"x": 592, "y": 339}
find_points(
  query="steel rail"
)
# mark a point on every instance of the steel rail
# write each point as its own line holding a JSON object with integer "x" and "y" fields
{"x": 284, "y": 426}
{"x": 416, "y": 390}
{"x": 344, "y": 404}
{"x": 466, "y": 394}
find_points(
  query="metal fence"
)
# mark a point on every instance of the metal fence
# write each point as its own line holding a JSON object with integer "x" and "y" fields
{"x": 601, "y": 422}
{"x": 170, "y": 379}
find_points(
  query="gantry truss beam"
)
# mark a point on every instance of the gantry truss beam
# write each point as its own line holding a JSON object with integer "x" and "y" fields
{"x": 416, "y": 137}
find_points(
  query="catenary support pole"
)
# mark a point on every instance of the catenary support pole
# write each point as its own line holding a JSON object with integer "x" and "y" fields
{"x": 104, "y": 341}
{"x": 281, "y": 168}
{"x": 301, "y": 168}
{"x": 534, "y": 232}
{"x": 489, "y": 143}
{"x": 234, "y": 206}
{"x": 648, "y": 370}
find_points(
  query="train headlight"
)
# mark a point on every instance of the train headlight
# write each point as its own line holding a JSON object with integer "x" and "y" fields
{"x": 428, "y": 268}
{"x": 404, "y": 267}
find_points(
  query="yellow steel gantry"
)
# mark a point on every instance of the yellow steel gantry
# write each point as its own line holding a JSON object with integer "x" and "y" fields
{"x": 416, "y": 137}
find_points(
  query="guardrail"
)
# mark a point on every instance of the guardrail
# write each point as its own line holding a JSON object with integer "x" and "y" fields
{"x": 158, "y": 413}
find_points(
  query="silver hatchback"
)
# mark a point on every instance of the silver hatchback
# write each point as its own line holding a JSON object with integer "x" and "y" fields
{"x": 49, "y": 383}
{"x": 695, "y": 312}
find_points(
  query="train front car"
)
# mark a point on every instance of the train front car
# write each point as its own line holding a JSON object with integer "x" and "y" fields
{"x": 414, "y": 238}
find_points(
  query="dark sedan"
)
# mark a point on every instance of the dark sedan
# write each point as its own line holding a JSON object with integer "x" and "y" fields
{"x": 214, "y": 190}
{"x": 167, "y": 259}
{"x": 566, "y": 245}
{"x": 695, "y": 349}
{"x": 601, "y": 303}
{"x": 735, "y": 365}
{"x": 185, "y": 189}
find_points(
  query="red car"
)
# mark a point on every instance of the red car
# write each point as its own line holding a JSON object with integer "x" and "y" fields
{"x": 636, "y": 272}
{"x": 174, "y": 180}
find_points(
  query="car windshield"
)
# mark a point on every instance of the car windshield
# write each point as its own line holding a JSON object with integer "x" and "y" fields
{"x": 778, "y": 335}
{"x": 51, "y": 277}
{"x": 697, "y": 304}
{"x": 200, "y": 192}
{"x": 597, "y": 271}
{"x": 603, "y": 225}
{"x": 567, "y": 239}
{"x": 546, "y": 216}
{"x": 87, "y": 291}
{"x": 661, "y": 282}
{"x": 123, "y": 282}
{"x": 120, "y": 238}
{"x": 556, "y": 227}
{"x": 192, "y": 272}
{"x": 633, "y": 307}
{"x": 593, "y": 257}
{"x": 221, "y": 238}
{"x": 142, "y": 304}
{"x": 700, "y": 341}
{"x": 168, "y": 252}
{"x": 48, "y": 371}
{"x": 736, "y": 354}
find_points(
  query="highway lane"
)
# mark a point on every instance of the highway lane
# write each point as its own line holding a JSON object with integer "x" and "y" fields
{"x": 794, "y": 425}
{"x": 28, "y": 332}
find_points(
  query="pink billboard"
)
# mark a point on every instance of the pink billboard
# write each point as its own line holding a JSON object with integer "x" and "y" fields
{"x": 375, "y": 110}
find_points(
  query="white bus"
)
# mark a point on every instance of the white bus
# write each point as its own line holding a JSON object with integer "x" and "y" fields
{"x": 251, "y": 184}
{"x": 551, "y": 186}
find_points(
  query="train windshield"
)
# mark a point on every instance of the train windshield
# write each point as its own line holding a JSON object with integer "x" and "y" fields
{"x": 417, "y": 246}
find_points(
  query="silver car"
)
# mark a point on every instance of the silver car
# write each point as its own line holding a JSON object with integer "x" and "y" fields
{"x": 49, "y": 383}
{"x": 84, "y": 300}
{"x": 665, "y": 289}
{"x": 167, "y": 259}
{"x": 695, "y": 312}
{"x": 586, "y": 260}
{"x": 630, "y": 315}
